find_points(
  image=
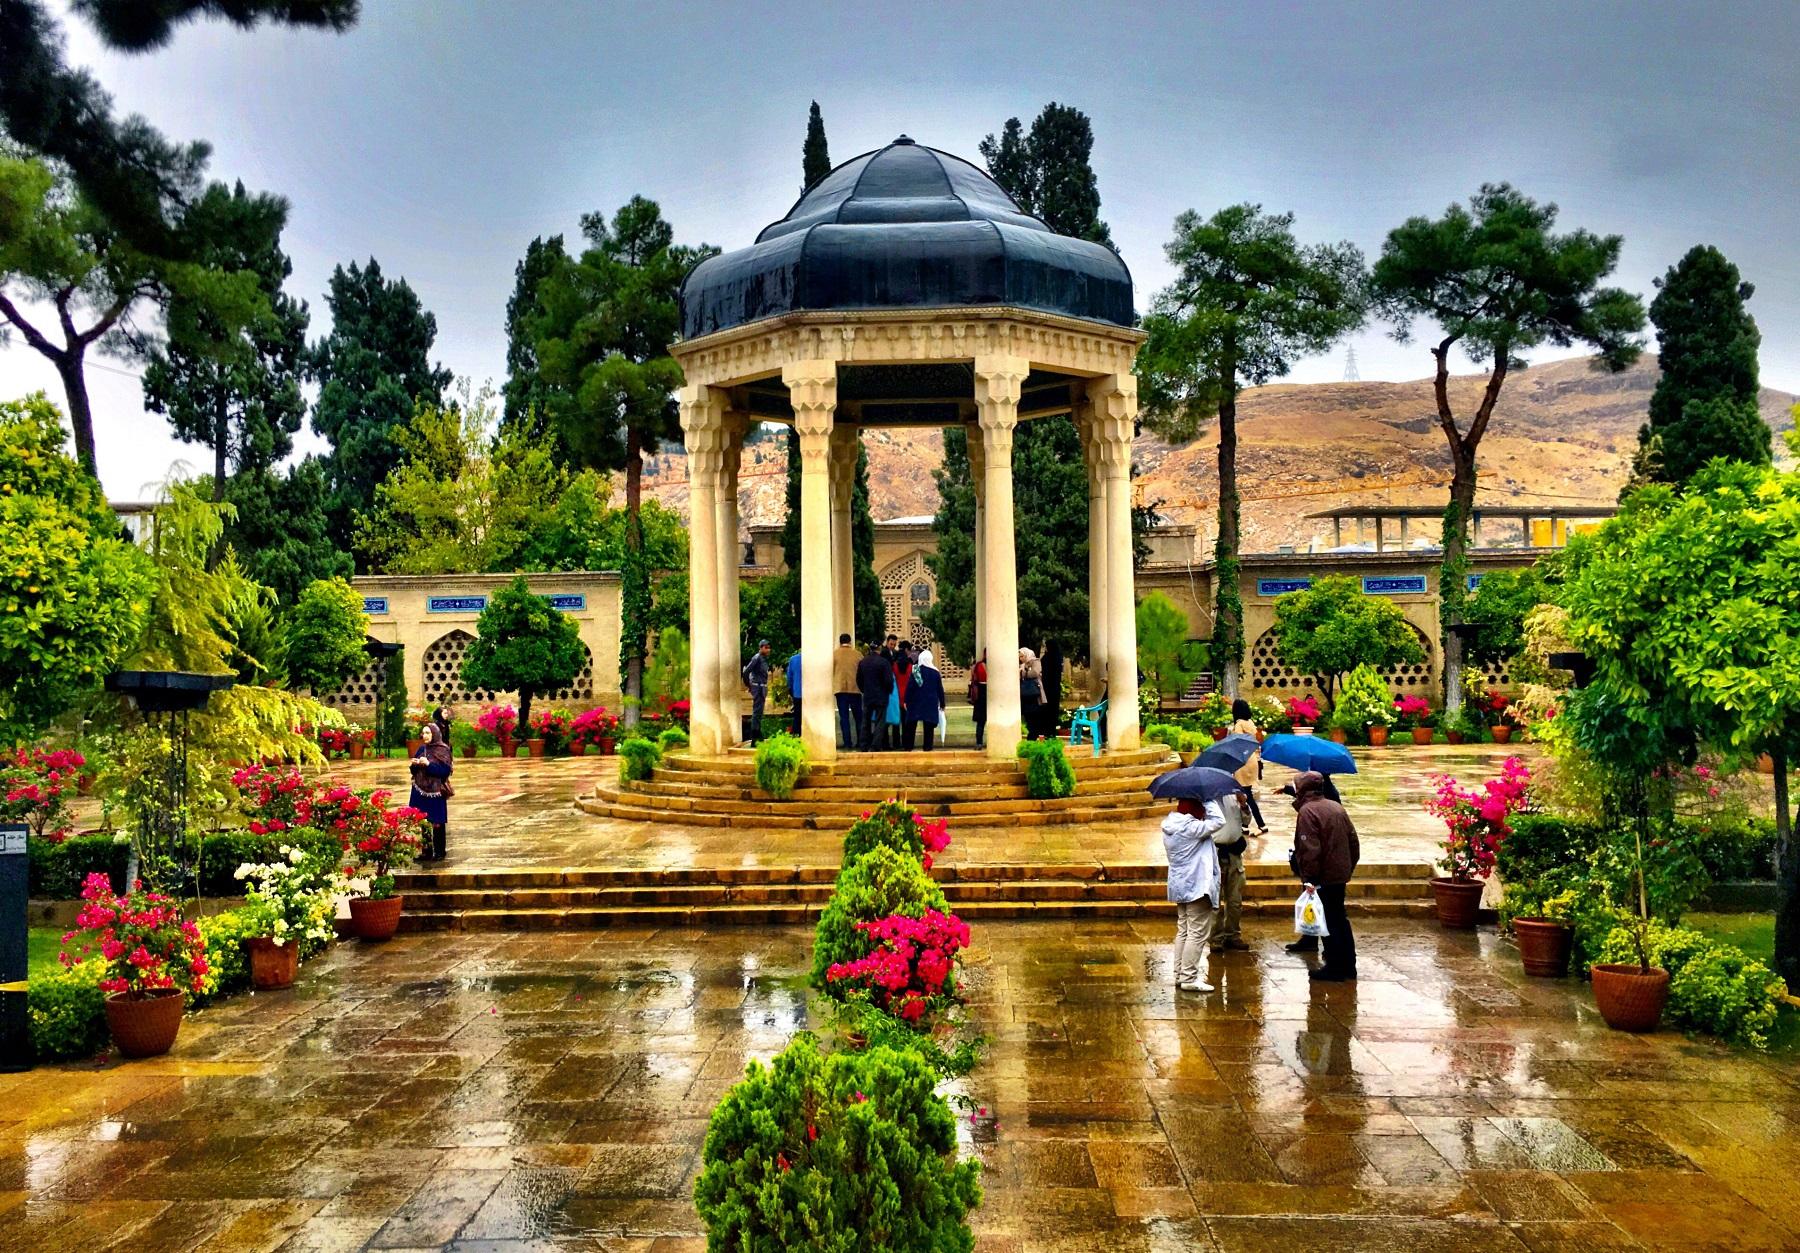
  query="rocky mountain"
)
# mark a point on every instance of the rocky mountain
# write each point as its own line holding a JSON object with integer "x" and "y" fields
{"x": 1563, "y": 433}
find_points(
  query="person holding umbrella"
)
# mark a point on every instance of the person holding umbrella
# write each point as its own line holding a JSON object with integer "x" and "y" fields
{"x": 1250, "y": 773}
{"x": 1195, "y": 884}
{"x": 1326, "y": 851}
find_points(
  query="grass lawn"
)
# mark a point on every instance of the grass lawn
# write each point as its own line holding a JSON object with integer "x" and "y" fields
{"x": 1755, "y": 934}
{"x": 44, "y": 945}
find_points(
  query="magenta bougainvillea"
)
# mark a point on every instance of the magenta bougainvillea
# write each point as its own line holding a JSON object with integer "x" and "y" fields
{"x": 935, "y": 836}
{"x": 1411, "y": 711}
{"x": 912, "y": 969}
{"x": 1477, "y": 818}
{"x": 145, "y": 945}
{"x": 1303, "y": 711}
{"x": 36, "y": 784}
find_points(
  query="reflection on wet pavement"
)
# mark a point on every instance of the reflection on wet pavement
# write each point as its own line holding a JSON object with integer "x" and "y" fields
{"x": 551, "y": 1091}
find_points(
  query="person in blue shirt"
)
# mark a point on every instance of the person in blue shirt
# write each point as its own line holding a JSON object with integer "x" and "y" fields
{"x": 793, "y": 678}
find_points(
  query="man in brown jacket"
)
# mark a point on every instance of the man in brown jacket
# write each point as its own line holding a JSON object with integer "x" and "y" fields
{"x": 1326, "y": 851}
{"x": 849, "y": 696}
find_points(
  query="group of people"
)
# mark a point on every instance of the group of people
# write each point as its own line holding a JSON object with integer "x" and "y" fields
{"x": 888, "y": 697}
{"x": 1204, "y": 843}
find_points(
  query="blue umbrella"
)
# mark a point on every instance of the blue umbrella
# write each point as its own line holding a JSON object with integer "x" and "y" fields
{"x": 1193, "y": 783}
{"x": 1228, "y": 754}
{"x": 1308, "y": 752}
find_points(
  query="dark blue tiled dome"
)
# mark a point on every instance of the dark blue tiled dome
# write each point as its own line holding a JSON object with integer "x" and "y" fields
{"x": 906, "y": 227}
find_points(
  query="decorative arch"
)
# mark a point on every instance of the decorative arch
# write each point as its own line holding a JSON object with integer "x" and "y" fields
{"x": 442, "y": 666}
{"x": 908, "y": 589}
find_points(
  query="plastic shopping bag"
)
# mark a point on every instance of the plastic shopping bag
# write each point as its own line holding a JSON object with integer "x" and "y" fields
{"x": 943, "y": 724}
{"x": 1309, "y": 914}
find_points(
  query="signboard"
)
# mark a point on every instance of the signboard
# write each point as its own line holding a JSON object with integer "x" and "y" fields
{"x": 455, "y": 604}
{"x": 1475, "y": 581}
{"x": 15, "y": 952}
{"x": 567, "y": 602}
{"x": 1393, "y": 585}
{"x": 375, "y": 604}
{"x": 1281, "y": 587}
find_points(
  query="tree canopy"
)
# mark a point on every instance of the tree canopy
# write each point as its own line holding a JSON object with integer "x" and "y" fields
{"x": 526, "y": 403}
{"x": 1330, "y": 628}
{"x": 324, "y": 634}
{"x": 523, "y": 645}
{"x": 74, "y": 592}
{"x": 815, "y": 154}
{"x": 1705, "y": 402}
{"x": 1162, "y": 636}
{"x": 1248, "y": 301}
{"x": 1496, "y": 279}
{"x": 1049, "y": 171}
{"x": 278, "y": 526}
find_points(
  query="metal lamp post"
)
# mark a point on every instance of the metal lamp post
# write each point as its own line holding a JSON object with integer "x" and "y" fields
{"x": 166, "y": 696}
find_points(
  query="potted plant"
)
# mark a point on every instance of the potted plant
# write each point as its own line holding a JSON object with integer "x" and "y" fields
{"x": 360, "y": 740}
{"x": 1365, "y": 706}
{"x": 1336, "y": 728}
{"x": 34, "y": 787}
{"x": 593, "y": 726}
{"x": 1497, "y": 710}
{"x": 1476, "y": 823}
{"x": 334, "y": 741}
{"x": 150, "y": 958}
{"x": 415, "y": 731}
{"x": 1539, "y": 913}
{"x": 1459, "y": 726}
{"x": 1270, "y": 716}
{"x": 500, "y": 721}
{"x": 377, "y": 841}
{"x": 1631, "y": 995}
{"x": 1214, "y": 715}
{"x": 550, "y": 732}
{"x": 1303, "y": 713}
{"x": 291, "y": 902}
{"x": 467, "y": 738}
{"x": 1413, "y": 714}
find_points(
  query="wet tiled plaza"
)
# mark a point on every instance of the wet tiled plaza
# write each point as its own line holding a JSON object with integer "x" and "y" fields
{"x": 550, "y": 1091}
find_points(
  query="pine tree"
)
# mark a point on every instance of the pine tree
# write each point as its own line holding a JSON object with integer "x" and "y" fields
{"x": 373, "y": 371}
{"x": 525, "y": 391}
{"x": 1049, "y": 171}
{"x": 1705, "y": 402}
{"x": 815, "y": 157}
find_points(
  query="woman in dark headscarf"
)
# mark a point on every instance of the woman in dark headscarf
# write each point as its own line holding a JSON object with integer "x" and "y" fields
{"x": 442, "y": 717}
{"x": 431, "y": 790}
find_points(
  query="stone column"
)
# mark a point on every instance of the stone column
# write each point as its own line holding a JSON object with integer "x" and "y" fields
{"x": 977, "y": 474}
{"x": 1114, "y": 401}
{"x": 702, "y": 429}
{"x": 1098, "y": 609}
{"x": 997, "y": 384}
{"x": 846, "y": 443}
{"x": 730, "y": 558}
{"x": 812, "y": 386}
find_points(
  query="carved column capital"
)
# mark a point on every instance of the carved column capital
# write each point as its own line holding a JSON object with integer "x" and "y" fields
{"x": 998, "y": 383}
{"x": 1111, "y": 405}
{"x": 846, "y": 445}
{"x": 703, "y": 428}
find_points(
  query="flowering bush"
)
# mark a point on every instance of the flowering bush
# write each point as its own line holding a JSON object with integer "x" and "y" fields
{"x": 416, "y": 720}
{"x": 1302, "y": 711}
{"x": 498, "y": 721}
{"x": 664, "y": 712}
{"x": 1213, "y": 712}
{"x": 1411, "y": 712}
{"x": 554, "y": 727}
{"x": 34, "y": 783}
{"x": 911, "y": 970}
{"x": 879, "y": 883}
{"x": 334, "y": 741}
{"x": 141, "y": 939}
{"x": 591, "y": 726}
{"x": 377, "y": 840}
{"x": 1270, "y": 714}
{"x": 1489, "y": 708}
{"x": 1477, "y": 818}
{"x": 276, "y": 798}
{"x": 290, "y": 898}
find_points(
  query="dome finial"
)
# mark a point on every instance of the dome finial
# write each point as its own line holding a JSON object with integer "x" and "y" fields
{"x": 904, "y": 139}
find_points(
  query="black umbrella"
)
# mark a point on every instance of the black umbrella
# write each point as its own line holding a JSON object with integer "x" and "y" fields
{"x": 1229, "y": 754}
{"x": 1193, "y": 783}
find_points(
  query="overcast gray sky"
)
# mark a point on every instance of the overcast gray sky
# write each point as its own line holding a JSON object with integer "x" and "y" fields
{"x": 439, "y": 136}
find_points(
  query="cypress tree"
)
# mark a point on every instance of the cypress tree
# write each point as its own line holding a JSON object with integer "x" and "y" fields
{"x": 815, "y": 156}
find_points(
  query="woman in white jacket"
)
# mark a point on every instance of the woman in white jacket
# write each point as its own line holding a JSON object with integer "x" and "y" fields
{"x": 1193, "y": 885}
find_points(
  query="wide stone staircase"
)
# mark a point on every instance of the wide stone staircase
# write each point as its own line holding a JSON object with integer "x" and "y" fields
{"x": 959, "y": 784}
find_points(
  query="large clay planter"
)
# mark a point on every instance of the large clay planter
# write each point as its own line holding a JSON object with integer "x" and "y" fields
{"x": 469, "y": 751}
{"x": 1455, "y": 737}
{"x": 1378, "y": 737}
{"x": 535, "y": 747}
{"x": 606, "y": 745}
{"x": 413, "y": 746}
{"x": 375, "y": 920}
{"x": 1543, "y": 946}
{"x": 1339, "y": 735}
{"x": 1765, "y": 764}
{"x": 1502, "y": 734}
{"x": 1458, "y": 901}
{"x": 509, "y": 747}
{"x": 1219, "y": 733}
{"x": 146, "y": 1027}
{"x": 1629, "y": 999}
{"x": 1424, "y": 735}
{"x": 577, "y": 747}
{"x": 272, "y": 965}
{"x": 356, "y": 750}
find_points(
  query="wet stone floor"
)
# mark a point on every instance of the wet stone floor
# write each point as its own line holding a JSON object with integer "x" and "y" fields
{"x": 521, "y": 1092}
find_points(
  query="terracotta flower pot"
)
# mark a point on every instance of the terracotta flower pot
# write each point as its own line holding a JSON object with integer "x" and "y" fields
{"x": 272, "y": 965}
{"x": 535, "y": 746}
{"x": 1543, "y": 946}
{"x": 375, "y": 920}
{"x": 509, "y": 747}
{"x": 1458, "y": 900}
{"x": 1765, "y": 764}
{"x": 1339, "y": 735}
{"x": 147, "y": 1026}
{"x": 413, "y": 746}
{"x": 1424, "y": 735}
{"x": 356, "y": 750}
{"x": 469, "y": 751}
{"x": 1261, "y": 735}
{"x": 577, "y": 747}
{"x": 1502, "y": 734}
{"x": 606, "y": 745}
{"x": 856, "y": 1040}
{"x": 1455, "y": 737}
{"x": 1219, "y": 733}
{"x": 1629, "y": 999}
{"x": 1378, "y": 736}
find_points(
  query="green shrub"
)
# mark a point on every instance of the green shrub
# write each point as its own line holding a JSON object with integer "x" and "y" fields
{"x": 847, "y": 1151}
{"x": 57, "y": 871}
{"x": 1713, "y": 987}
{"x": 1048, "y": 774}
{"x": 881, "y": 882}
{"x": 1166, "y": 733}
{"x": 672, "y": 738}
{"x": 68, "y": 1012}
{"x": 1364, "y": 701}
{"x": 1738, "y": 850}
{"x": 780, "y": 761}
{"x": 1540, "y": 843}
{"x": 638, "y": 757}
{"x": 889, "y": 825}
{"x": 222, "y": 852}
{"x": 228, "y": 965}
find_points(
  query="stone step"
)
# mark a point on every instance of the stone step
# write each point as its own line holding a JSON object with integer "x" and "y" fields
{"x": 909, "y": 765}
{"x": 678, "y": 801}
{"x": 945, "y": 872}
{"x": 1042, "y": 814}
{"x": 915, "y": 790}
{"x": 646, "y": 916}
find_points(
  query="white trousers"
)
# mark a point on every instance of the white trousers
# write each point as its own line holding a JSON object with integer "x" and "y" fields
{"x": 1193, "y": 928}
